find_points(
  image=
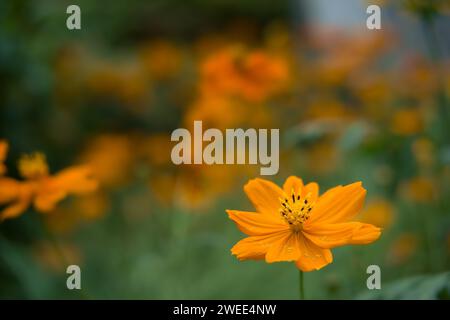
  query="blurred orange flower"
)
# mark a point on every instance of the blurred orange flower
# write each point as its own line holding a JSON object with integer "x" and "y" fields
{"x": 295, "y": 224}
{"x": 328, "y": 108}
{"x": 424, "y": 152}
{"x": 253, "y": 75}
{"x": 197, "y": 187}
{"x": 226, "y": 112}
{"x": 161, "y": 59}
{"x": 65, "y": 219}
{"x": 342, "y": 56}
{"x": 378, "y": 212}
{"x": 407, "y": 122}
{"x": 402, "y": 248}
{"x": 419, "y": 189}
{"x": 3, "y": 153}
{"x": 41, "y": 189}
{"x": 125, "y": 82}
{"x": 322, "y": 157}
{"x": 111, "y": 158}
{"x": 155, "y": 149}
{"x": 56, "y": 258}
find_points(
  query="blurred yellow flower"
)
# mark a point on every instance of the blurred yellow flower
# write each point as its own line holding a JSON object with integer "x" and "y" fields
{"x": 111, "y": 157}
{"x": 375, "y": 93}
{"x": 342, "y": 56}
{"x": 56, "y": 258}
{"x": 68, "y": 67}
{"x": 162, "y": 186}
{"x": 379, "y": 212}
{"x": 65, "y": 219}
{"x": 62, "y": 220}
{"x": 328, "y": 108}
{"x": 161, "y": 59}
{"x": 125, "y": 82}
{"x": 253, "y": 75}
{"x": 226, "y": 112}
{"x": 407, "y": 122}
{"x": 419, "y": 189}
{"x": 197, "y": 188}
{"x": 295, "y": 224}
{"x": 416, "y": 72}
{"x": 92, "y": 206}
{"x": 402, "y": 248}
{"x": 155, "y": 149}
{"x": 322, "y": 157}
{"x": 41, "y": 189}
{"x": 33, "y": 166}
{"x": 423, "y": 150}
{"x": 3, "y": 153}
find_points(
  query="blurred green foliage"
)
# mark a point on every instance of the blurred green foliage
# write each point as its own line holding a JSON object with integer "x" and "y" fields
{"x": 143, "y": 248}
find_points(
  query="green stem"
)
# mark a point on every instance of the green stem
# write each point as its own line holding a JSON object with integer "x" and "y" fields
{"x": 432, "y": 42}
{"x": 56, "y": 245}
{"x": 60, "y": 252}
{"x": 301, "y": 285}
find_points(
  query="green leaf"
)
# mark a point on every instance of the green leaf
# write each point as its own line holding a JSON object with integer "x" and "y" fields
{"x": 426, "y": 287}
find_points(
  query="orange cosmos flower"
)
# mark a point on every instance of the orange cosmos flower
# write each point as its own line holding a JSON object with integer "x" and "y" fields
{"x": 253, "y": 75}
{"x": 295, "y": 224}
{"x": 40, "y": 188}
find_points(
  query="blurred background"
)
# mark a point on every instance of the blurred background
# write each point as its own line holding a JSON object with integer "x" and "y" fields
{"x": 351, "y": 104}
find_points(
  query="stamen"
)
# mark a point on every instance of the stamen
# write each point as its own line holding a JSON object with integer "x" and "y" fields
{"x": 297, "y": 210}
{"x": 33, "y": 166}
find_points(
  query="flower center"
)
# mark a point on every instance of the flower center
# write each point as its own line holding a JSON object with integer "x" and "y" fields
{"x": 296, "y": 209}
{"x": 33, "y": 166}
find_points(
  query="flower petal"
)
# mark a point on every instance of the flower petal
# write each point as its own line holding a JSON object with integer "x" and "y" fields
{"x": 255, "y": 247}
{"x": 15, "y": 209}
{"x": 77, "y": 180}
{"x": 18, "y": 197}
{"x": 9, "y": 189}
{"x": 338, "y": 204}
{"x": 256, "y": 224}
{"x": 311, "y": 188}
{"x": 334, "y": 235}
{"x": 46, "y": 201}
{"x": 3, "y": 153}
{"x": 292, "y": 183}
{"x": 264, "y": 195}
{"x": 286, "y": 248}
{"x": 312, "y": 257}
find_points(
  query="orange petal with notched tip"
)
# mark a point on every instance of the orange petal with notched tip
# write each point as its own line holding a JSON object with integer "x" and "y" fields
{"x": 338, "y": 204}
{"x": 339, "y": 234}
{"x": 292, "y": 183}
{"x": 312, "y": 257}
{"x": 264, "y": 195}
{"x": 255, "y": 247}
{"x": 311, "y": 189}
{"x": 256, "y": 224}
